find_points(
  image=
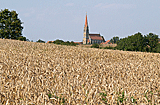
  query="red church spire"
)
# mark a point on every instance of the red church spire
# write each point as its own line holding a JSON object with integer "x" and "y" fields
{"x": 86, "y": 23}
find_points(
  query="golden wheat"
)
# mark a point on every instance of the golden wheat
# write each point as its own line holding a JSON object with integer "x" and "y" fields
{"x": 40, "y": 73}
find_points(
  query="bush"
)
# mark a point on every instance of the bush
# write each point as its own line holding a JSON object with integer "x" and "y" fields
{"x": 61, "y": 42}
{"x": 95, "y": 45}
{"x": 22, "y": 38}
{"x": 109, "y": 47}
{"x": 58, "y": 41}
{"x": 40, "y": 41}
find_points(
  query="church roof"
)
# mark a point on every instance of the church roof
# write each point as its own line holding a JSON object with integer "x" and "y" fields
{"x": 95, "y": 37}
{"x": 86, "y": 23}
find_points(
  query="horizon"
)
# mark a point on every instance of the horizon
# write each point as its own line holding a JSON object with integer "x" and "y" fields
{"x": 64, "y": 20}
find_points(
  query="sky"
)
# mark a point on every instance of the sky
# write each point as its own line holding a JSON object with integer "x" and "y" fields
{"x": 49, "y": 20}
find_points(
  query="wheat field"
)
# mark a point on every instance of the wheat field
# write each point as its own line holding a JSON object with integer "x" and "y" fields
{"x": 49, "y": 74}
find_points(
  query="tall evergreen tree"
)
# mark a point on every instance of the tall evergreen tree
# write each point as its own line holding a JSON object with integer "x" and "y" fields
{"x": 10, "y": 25}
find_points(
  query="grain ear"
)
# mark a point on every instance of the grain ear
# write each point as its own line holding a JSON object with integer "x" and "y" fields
{"x": 40, "y": 73}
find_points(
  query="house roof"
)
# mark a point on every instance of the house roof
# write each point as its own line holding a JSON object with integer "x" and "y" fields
{"x": 50, "y": 41}
{"x": 105, "y": 42}
{"x": 78, "y": 42}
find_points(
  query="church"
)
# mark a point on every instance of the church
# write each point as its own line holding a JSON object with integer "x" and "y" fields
{"x": 91, "y": 38}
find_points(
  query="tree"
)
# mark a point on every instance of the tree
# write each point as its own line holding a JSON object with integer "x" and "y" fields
{"x": 40, "y": 41}
{"x": 158, "y": 48}
{"x": 10, "y": 25}
{"x": 58, "y": 41}
{"x": 73, "y": 44}
{"x": 151, "y": 40}
{"x": 132, "y": 43}
{"x": 27, "y": 40}
{"x": 95, "y": 45}
{"x": 114, "y": 39}
{"x": 137, "y": 42}
{"x": 22, "y": 38}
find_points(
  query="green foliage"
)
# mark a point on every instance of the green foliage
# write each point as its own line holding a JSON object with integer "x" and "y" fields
{"x": 40, "y": 41}
{"x": 133, "y": 100}
{"x": 27, "y": 40}
{"x": 49, "y": 95}
{"x": 104, "y": 97}
{"x": 158, "y": 48}
{"x": 63, "y": 100}
{"x": 95, "y": 45}
{"x": 10, "y": 25}
{"x": 58, "y": 41}
{"x": 151, "y": 40}
{"x": 109, "y": 47}
{"x": 138, "y": 42}
{"x": 147, "y": 92}
{"x": 115, "y": 40}
{"x": 131, "y": 43}
{"x": 22, "y": 38}
{"x": 121, "y": 98}
{"x": 61, "y": 42}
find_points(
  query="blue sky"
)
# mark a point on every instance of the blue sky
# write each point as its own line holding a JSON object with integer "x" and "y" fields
{"x": 64, "y": 19}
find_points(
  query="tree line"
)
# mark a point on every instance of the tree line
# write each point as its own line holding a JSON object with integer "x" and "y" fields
{"x": 137, "y": 42}
{"x": 61, "y": 42}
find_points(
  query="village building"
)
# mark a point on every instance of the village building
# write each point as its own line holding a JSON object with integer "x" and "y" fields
{"x": 91, "y": 38}
{"x": 107, "y": 42}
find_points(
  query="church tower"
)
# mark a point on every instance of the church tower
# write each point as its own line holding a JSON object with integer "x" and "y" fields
{"x": 86, "y": 31}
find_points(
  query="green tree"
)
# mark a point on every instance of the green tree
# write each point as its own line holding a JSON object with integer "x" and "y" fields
{"x": 73, "y": 44}
{"x": 158, "y": 48}
{"x": 138, "y": 42}
{"x": 61, "y": 42}
{"x": 22, "y": 38}
{"x": 114, "y": 40}
{"x": 151, "y": 40}
{"x": 40, "y": 41}
{"x": 95, "y": 45}
{"x": 132, "y": 43}
{"x": 58, "y": 41}
{"x": 10, "y": 25}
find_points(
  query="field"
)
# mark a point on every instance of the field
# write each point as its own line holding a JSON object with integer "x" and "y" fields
{"x": 46, "y": 74}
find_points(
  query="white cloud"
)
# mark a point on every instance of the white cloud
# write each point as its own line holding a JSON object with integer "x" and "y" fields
{"x": 69, "y": 4}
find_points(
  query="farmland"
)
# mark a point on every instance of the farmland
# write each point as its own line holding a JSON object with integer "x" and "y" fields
{"x": 41, "y": 73}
